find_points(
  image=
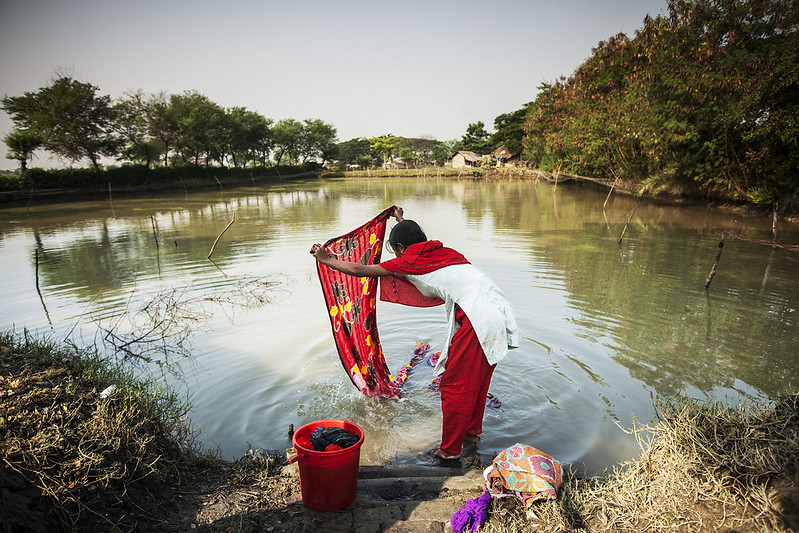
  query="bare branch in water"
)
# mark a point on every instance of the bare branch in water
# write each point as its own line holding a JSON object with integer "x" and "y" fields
{"x": 159, "y": 329}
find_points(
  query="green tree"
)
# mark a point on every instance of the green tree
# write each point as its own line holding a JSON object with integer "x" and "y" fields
{"x": 703, "y": 99}
{"x": 71, "y": 119}
{"x": 509, "y": 129}
{"x": 477, "y": 139}
{"x": 163, "y": 122}
{"x": 385, "y": 145}
{"x": 353, "y": 151}
{"x": 201, "y": 128}
{"x": 319, "y": 140}
{"x": 131, "y": 126}
{"x": 444, "y": 150}
{"x": 22, "y": 144}
{"x": 288, "y": 139}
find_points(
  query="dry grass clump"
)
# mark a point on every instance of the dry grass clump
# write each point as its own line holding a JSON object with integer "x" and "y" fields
{"x": 95, "y": 462}
{"x": 704, "y": 467}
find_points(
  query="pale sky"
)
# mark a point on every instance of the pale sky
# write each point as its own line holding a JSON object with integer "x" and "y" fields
{"x": 410, "y": 68}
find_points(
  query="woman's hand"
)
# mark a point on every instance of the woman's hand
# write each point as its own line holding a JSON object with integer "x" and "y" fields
{"x": 318, "y": 251}
{"x": 397, "y": 214}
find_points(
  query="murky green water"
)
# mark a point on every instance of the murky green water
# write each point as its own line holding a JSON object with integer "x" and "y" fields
{"x": 607, "y": 326}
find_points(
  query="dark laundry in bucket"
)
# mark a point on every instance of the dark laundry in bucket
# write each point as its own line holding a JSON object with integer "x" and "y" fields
{"x": 327, "y": 439}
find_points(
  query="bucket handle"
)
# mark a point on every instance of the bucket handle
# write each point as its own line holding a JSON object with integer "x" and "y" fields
{"x": 296, "y": 455}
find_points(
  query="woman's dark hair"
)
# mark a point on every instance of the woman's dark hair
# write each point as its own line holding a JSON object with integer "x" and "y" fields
{"x": 405, "y": 233}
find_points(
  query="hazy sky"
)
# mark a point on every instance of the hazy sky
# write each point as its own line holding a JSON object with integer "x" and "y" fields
{"x": 405, "y": 67}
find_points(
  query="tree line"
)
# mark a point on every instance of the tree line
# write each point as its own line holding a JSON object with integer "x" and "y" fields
{"x": 71, "y": 119}
{"x": 704, "y": 98}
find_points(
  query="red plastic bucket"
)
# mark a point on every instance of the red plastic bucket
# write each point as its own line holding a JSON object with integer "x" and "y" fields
{"x": 328, "y": 480}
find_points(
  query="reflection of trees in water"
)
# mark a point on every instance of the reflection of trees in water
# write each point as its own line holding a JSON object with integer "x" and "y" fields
{"x": 665, "y": 329}
{"x": 669, "y": 332}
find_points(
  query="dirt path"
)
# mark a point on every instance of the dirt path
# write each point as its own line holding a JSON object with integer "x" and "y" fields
{"x": 389, "y": 498}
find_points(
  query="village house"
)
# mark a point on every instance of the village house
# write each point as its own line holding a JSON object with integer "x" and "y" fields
{"x": 463, "y": 158}
{"x": 505, "y": 158}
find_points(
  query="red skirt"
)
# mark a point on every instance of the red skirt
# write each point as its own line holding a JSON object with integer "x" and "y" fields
{"x": 464, "y": 387}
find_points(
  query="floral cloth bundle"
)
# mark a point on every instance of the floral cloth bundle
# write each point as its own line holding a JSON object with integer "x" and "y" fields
{"x": 524, "y": 472}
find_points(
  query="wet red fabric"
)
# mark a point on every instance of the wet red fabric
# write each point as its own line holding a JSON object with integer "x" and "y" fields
{"x": 352, "y": 308}
{"x": 464, "y": 387}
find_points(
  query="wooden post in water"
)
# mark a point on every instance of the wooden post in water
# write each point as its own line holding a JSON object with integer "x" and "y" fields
{"x": 39, "y": 290}
{"x": 613, "y": 186}
{"x": 152, "y": 221}
{"x": 232, "y": 220}
{"x": 715, "y": 264}
{"x": 111, "y": 200}
{"x": 629, "y": 218}
{"x": 774, "y": 223}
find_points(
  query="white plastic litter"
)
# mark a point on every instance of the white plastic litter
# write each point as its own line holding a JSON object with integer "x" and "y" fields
{"x": 108, "y": 391}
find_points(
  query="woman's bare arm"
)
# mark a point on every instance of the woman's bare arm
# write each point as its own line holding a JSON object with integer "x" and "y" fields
{"x": 347, "y": 267}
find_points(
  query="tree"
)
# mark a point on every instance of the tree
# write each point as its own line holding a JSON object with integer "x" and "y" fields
{"x": 131, "y": 126}
{"x": 162, "y": 122}
{"x": 385, "y": 145}
{"x": 22, "y": 144}
{"x": 287, "y": 135}
{"x": 444, "y": 150}
{"x": 249, "y": 135}
{"x": 69, "y": 117}
{"x": 477, "y": 139}
{"x": 201, "y": 127}
{"x": 509, "y": 129}
{"x": 320, "y": 140}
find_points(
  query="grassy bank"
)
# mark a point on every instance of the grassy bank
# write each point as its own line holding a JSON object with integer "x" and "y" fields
{"x": 78, "y": 456}
{"x": 76, "y": 459}
{"x": 85, "y": 182}
{"x": 80, "y": 183}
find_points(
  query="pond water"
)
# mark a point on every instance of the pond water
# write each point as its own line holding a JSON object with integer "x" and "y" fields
{"x": 607, "y": 326}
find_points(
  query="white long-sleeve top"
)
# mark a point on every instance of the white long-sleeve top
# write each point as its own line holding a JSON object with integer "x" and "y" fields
{"x": 482, "y": 301}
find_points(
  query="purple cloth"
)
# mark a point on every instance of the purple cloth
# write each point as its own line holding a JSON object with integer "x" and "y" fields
{"x": 472, "y": 515}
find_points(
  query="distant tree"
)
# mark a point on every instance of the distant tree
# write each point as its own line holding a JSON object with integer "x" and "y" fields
{"x": 201, "y": 127}
{"x": 70, "y": 118}
{"x": 364, "y": 161}
{"x": 131, "y": 126}
{"x": 320, "y": 140}
{"x": 22, "y": 144}
{"x": 259, "y": 136}
{"x": 444, "y": 150}
{"x": 509, "y": 129}
{"x": 351, "y": 152}
{"x": 162, "y": 122}
{"x": 288, "y": 138}
{"x": 249, "y": 136}
{"x": 477, "y": 139}
{"x": 385, "y": 145}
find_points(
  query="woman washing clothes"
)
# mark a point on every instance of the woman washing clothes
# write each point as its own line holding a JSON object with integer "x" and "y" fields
{"x": 481, "y": 326}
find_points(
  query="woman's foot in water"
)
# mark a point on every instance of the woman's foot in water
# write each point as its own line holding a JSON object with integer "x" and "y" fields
{"x": 437, "y": 457}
